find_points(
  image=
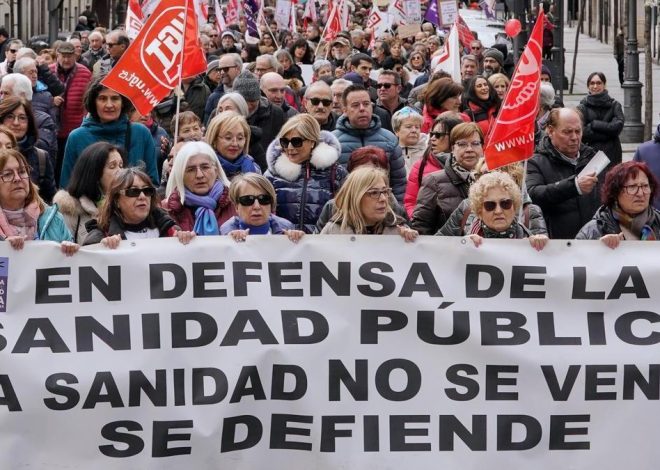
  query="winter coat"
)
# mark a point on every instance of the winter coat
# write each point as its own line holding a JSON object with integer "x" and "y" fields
{"x": 330, "y": 207}
{"x": 551, "y": 185}
{"x": 54, "y": 85}
{"x": 51, "y": 226}
{"x": 196, "y": 96}
{"x": 42, "y": 101}
{"x": 649, "y": 153}
{"x": 429, "y": 113}
{"x": 141, "y": 146}
{"x": 331, "y": 123}
{"x": 77, "y": 212}
{"x": 72, "y": 110}
{"x": 604, "y": 223}
{"x": 484, "y": 117}
{"x": 270, "y": 119}
{"x": 433, "y": 163}
{"x": 303, "y": 189}
{"x": 46, "y": 182}
{"x": 351, "y": 138}
{"x": 91, "y": 57}
{"x": 277, "y": 225}
{"x": 386, "y": 114}
{"x": 391, "y": 227}
{"x": 458, "y": 224}
{"x": 212, "y": 102}
{"x": 603, "y": 122}
{"x": 162, "y": 221}
{"x": 184, "y": 215}
{"x": 414, "y": 153}
{"x": 439, "y": 196}
{"x": 47, "y": 133}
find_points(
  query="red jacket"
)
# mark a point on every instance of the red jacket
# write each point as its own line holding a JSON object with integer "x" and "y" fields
{"x": 72, "y": 111}
{"x": 412, "y": 188}
{"x": 429, "y": 113}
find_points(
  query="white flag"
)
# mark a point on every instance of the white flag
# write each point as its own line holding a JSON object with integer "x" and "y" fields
{"x": 220, "y": 22}
{"x": 134, "y": 19}
{"x": 450, "y": 58}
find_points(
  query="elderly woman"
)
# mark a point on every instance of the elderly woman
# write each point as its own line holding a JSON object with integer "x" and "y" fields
{"x": 229, "y": 134}
{"x": 406, "y": 124}
{"x": 501, "y": 84}
{"x": 433, "y": 159}
{"x": 108, "y": 121}
{"x": 90, "y": 181}
{"x": 235, "y": 102}
{"x": 481, "y": 103}
{"x": 16, "y": 115}
{"x": 321, "y": 68}
{"x": 363, "y": 207}
{"x": 495, "y": 200}
{"x": 603, "y": 118}
{"x": 442, "y": 192}
{"x": 197, "y": 195}
{"x": 626, "y": 213}
{"x": 23, "y": 214}
{"x": 303, "y": 167}
{"x": 255, "y": 202}
{"x": 130, "y": 211}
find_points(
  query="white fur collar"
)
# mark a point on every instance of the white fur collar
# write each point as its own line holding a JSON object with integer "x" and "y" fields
{"x": 323, "y": 156}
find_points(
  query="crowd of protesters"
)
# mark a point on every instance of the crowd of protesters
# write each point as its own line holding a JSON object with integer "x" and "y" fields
{"x": 376, "y": 139}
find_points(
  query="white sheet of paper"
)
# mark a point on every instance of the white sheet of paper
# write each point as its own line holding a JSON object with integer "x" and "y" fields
{"x": 597, "y": 164}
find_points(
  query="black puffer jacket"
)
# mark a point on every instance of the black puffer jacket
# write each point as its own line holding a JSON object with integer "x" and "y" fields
{"x": 551, "y": 185}
{"x": 604, "y": 223}
{"x": 440, "y": 194}
{"x": 603, "y": 122}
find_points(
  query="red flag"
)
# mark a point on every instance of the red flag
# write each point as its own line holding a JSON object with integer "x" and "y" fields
{"x": 232, "y": 12}
{"x": 149, "y": 69}
{"x": 334, "y": 21}
{"x": 464, "y": 33}
{"x": 512, "y": 136}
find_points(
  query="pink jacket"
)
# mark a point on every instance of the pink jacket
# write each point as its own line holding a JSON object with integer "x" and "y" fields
{"x": 412, "y": 188}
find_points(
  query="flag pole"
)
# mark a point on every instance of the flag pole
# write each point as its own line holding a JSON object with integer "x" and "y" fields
{"x": 327, "y": 23}
{"x": 179, "y": 88}
{"x": 277, "y": 45}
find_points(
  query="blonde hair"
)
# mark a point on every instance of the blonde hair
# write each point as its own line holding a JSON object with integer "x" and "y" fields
{"x": 256, "y": 180}
{"x": 305, "y": 125}
{"x": 347, "y": 201}
{"x": 185, "y": 153}
{"x": 497, "y": 78}
{"x": 515, "y": 170}
{"x": 223, "y": 122}
{"x": 492, "y": 180}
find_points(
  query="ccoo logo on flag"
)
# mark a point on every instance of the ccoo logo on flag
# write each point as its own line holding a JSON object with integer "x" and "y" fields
{"x": 162, "y": 46}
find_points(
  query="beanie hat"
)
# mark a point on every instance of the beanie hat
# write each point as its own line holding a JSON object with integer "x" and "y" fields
{"x": 214, "y": 64}
{"x": 546, "y": 71}
{"x": 495, "y": 54}
{"x": 247, "y": 85}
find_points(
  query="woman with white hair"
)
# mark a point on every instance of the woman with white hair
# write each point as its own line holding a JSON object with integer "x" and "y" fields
{"x": 407, "y": 125}
{"x": 197, "y": 195}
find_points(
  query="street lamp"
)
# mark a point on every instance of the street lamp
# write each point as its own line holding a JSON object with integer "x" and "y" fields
{"x": 557, "y": 63}
{"x": 633, "y": 129}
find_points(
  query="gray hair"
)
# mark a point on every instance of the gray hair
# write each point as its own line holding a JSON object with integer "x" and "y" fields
{"x": 546, "y": 95}
{"x": 238, "y": 62}
{"x": 274, "y": 63}
{"x": 17, "y": 42}
{"x": 21, "y": 84}
{"x": 238, "y": 101}
{"x": 26, "y": 52}
{"x": 342, "y": 82}
{"x": 318, "y": 84}
{"x": 21, "y": 64}
{"x": 319, "y": 64}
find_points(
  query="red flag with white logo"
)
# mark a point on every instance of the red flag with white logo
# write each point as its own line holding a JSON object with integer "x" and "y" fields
{"x": 464, "y": 33}
{"x": 232, "y": 12}
{"x": 512, "y": 137}
{"x": 134, "y": 19}
{"x": 334, "y": 21}
{"x": 151, "y": 66}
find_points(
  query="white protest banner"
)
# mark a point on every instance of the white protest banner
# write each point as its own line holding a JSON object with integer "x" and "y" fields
{"x": 336, "y": 352}
{"x": 283, "y": 13}
{"x": 413, "y": 11}
{"x": 448, "y": 11}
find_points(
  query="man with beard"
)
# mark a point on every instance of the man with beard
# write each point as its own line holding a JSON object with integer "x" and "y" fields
{"x": 340, "y": 48}
{"x": 493, "y": 61}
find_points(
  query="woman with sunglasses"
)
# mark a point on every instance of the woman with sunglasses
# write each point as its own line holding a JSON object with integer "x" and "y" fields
{"x": 197, "y": 195}
{"x": 255, "y": 202}
{"x": 362, "y": 207}
{"x": 442, "y": 192}
{"x": 627, "y": 212}
{"x": 303, "y": 167}
{"x": 417, "y": 65}
{"x": 131, "y": 212}
{"x": 23, "y": 214}
{"x": 495, "y": 200}
{"x": 434, "y": 158}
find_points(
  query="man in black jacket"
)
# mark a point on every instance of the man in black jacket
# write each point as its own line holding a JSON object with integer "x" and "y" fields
{"x": 568, "y": 200}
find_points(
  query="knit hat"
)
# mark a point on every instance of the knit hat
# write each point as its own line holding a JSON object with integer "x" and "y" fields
{"x": 495, "y": 54}
{"x": 214, "y": 64}
{"x": 228, "y": 34}
{"x": 546, "y": 71}
{"x": 247, "y": 85}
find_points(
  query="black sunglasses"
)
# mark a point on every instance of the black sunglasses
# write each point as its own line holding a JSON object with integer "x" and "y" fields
{"x": 317, "y": 101}
{"x": 13, "y": 51}
{"x": 149, "y": 191}
{"x": 297, "y": 142}
{"x": 387, "y": 86}
{"x": 247, "y": 201}
{"x": 226, "y": 69}
{"x": 438, "y": 135}
{"x": 505, "y": 204}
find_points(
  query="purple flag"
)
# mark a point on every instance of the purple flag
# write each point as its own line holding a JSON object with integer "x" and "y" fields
{"x": 432, "y": 13}
{"x": 251, "y": 14}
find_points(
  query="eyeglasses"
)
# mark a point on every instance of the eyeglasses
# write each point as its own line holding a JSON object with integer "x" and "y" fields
{"x": 387, "y": 86}
{"x": 110, "y": 44}
{"x": 377, "y": 193}
{"x": 505, "y": 204}
{"x": 13, "y": 51}
{"x": 205, "y": 168}
{"x": 632, "y": 189}
{"x": 14, "y": 117}
{"x": 317, "y": 101}
{"x": 438, "y": 135}
{"x": 226, "y": 69}
{"x": 148, "y": 191}
{"x": 248, "y": 201}
{"x": 8, "y": 176}
{"x": 463, "y": 145}
{"x": 297, "y": 142}
{"x": 213, "y": 35}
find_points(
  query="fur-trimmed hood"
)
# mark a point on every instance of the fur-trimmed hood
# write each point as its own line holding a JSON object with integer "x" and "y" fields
{"x": 73, "y": 207}
{"x": 324, "y": 155}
